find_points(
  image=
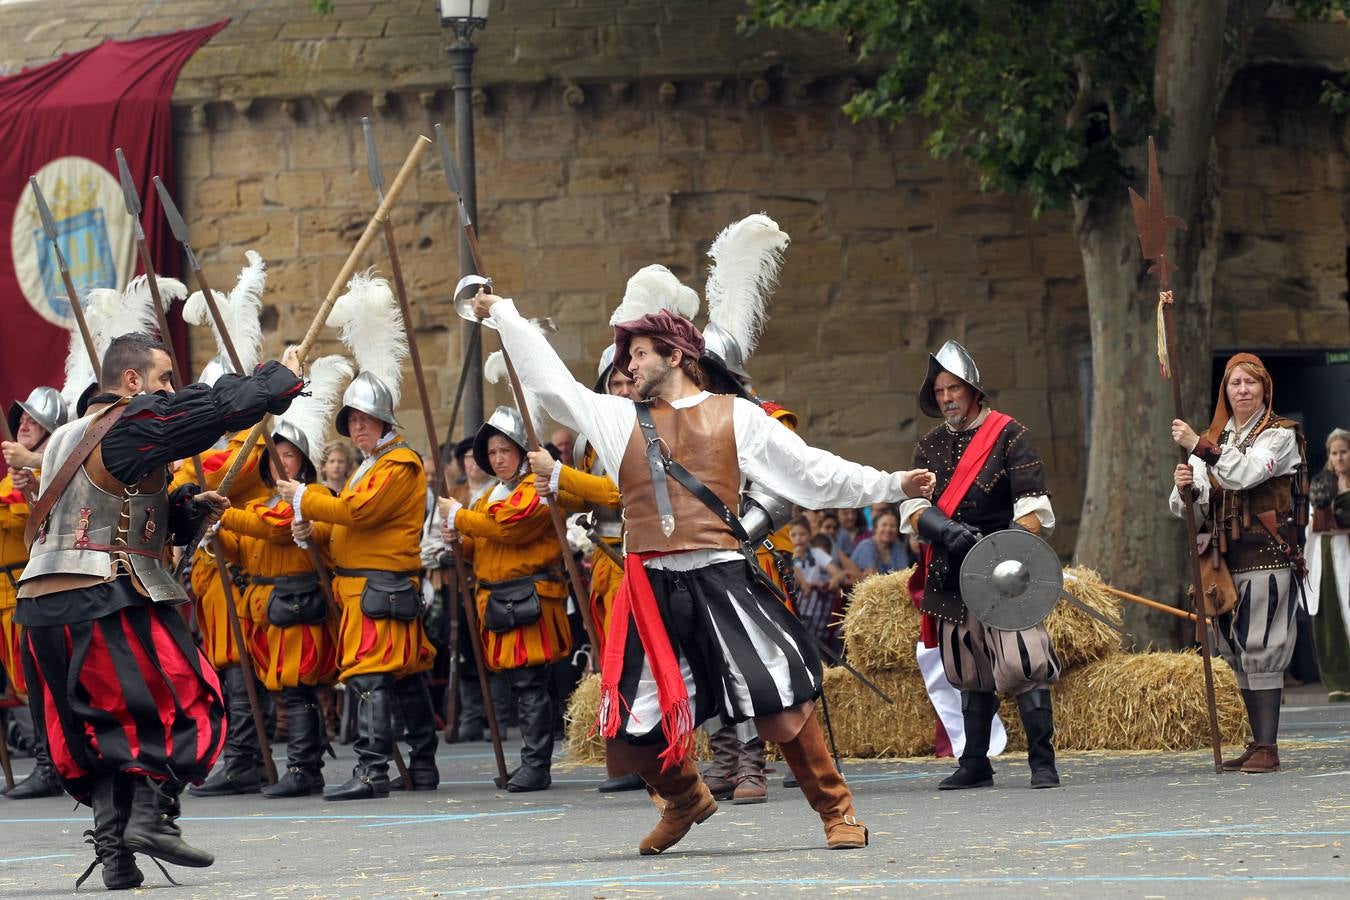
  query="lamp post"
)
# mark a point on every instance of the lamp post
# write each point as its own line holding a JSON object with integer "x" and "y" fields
{"x": 464, "y": 17}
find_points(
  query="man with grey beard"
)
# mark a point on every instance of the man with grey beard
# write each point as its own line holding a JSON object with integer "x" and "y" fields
{"x": 989, "y": 478}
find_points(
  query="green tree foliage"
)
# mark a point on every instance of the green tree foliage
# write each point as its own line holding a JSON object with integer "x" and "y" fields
{"x": 1041, "y": 96}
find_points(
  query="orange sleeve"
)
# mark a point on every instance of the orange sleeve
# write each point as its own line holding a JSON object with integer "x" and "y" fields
{"x": 597, "y": 489}
{"x": 519, "y": 519}
{"x": 382, "y": 494}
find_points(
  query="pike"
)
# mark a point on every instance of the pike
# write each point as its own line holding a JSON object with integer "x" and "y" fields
{"x": 555, "y": 514}
{"x": 1153, "y": 224}
{"x": 473, "y": 353}
{"x": 462, "y": 589}
{"x": 49, "y": 229}
{"x": 132, "y": 199}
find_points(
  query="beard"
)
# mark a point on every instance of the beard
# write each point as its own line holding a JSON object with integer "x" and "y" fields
{"x": 955, "y": 418}
{"x": 651, "y": 383}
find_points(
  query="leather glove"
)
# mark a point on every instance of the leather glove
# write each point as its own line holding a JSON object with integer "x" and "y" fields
{"x": 936, "y": 528}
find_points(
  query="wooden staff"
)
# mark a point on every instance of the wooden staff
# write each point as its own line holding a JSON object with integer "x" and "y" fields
{"x": 1153, "y": 224}
{"x": 1151, "y": 604}
{"x": 555, "y": 513}
{"x": 49, "y": 228}
{"x": 29, "y": 493}
{"x": 462, "y": 582}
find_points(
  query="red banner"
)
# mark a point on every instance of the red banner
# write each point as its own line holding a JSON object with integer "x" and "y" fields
{"x": 62, "y": 122}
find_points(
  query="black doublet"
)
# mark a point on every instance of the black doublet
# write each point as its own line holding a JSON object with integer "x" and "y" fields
{"x": 1012, "y": 471}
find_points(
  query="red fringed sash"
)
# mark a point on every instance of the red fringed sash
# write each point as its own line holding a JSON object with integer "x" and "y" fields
{"x": 635, "y": 598}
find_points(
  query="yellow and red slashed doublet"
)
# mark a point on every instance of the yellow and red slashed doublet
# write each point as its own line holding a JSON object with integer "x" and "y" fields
{"x": 13, "y": 556}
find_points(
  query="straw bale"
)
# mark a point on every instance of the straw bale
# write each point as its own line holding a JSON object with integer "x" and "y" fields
{"x": 1078, "y": 638}
{"x": 865, "y": 726}
{"x": 881, "y": 625}
{"x": 1145, "y": 701}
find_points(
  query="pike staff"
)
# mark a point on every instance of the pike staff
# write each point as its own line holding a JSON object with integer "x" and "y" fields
{"x": 49, "y": 229}
{"x": 1153, "y": 224}
{"x": 555, "y": 513}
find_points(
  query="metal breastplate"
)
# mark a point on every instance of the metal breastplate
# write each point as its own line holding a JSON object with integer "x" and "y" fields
{"x": 93, "y": 531}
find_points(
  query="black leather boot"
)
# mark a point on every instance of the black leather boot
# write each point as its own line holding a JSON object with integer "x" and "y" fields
{"x": 472, "y": 720}
{"x": 120, "y": 872}
{"x": 43, "y": 780}
{"x": 1039, "y": 723}
{"x": 534, "y": 712}
{"x": 977, "y": 713}
{"x": 304, "y": 747}
{"x": 152, "y": 827}
{"x": 242, "y": 770}
{"x": 374, "y": 742}
{"x": 419, "y": 730}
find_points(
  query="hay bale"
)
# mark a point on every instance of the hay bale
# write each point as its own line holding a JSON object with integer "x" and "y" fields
{"x": 1145, "y": 701}
{"x": 867, "y": 727}
{"x": 585, "y": 746}
{"x": 583, "y": 706}
{"x": 881, "y": 625}
{"x": 1078, "y": 638}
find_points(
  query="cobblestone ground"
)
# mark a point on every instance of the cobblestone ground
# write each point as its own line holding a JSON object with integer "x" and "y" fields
{"x": 1139, "y": 824}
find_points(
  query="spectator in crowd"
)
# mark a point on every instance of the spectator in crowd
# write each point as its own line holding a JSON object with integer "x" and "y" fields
{"x": 819, "y": 578}
{"x": 338, "y": 462}
{"x": 852, "y": 530}
{"x": 564, "y": 440}
{"x": 1329, "y": 567}
{"x": 883, "y": 552}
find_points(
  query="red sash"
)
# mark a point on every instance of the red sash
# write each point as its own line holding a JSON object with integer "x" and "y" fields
{"x": 972, "y": 461}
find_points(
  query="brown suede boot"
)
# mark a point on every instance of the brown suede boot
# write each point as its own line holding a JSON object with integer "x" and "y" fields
{"x": 1264, "y": 758}
{"x": 721, "y": 775}
{"x": 809, "y": 758}
{"x": 1237, "y": 762}
{"x": 688, "y": 802}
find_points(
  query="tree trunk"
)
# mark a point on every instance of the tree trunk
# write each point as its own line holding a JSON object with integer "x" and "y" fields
{"x": 1126, "y": 530}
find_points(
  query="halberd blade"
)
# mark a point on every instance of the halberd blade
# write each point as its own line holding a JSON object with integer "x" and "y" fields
{"x": 176, "y": 223}
{"x": 372, "y": 158}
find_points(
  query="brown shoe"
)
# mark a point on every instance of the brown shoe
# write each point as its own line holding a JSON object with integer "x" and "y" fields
{"x": 1237, "y": 762}
{"x": 688, "y": 802}
{"x": 720, "y": 776}
{"x": 751, "y": 785}
{"x": 1264, "y": 758}
{"x": 809, "y": 758}
{"x": 750, "y": 789}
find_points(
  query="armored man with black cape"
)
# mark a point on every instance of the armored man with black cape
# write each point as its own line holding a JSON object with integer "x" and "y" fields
{"x": 131, "y": 710}
{"x": 695, "y": 631}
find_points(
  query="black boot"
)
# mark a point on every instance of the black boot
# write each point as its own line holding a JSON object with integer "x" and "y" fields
{"x": 120, "y": 872}
{"x": 534, "y": 712}
{"x": 499, "y": 685}
{"x": 242, "y": 770}
{"x": 43, "y": 781}
{"x": 152, "y": 827}
{"x": 374, "y": 742}
{"x": 1039, "y": 723}
{"x": 472, "y": 720}
{"x": 304, "y": 746}
{"x": 419, "y": 730}
{"x": 977, "y": 713}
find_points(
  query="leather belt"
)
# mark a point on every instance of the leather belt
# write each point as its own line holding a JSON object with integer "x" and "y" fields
{"x": 657, "y": 463}
{"x": 366, "y": 573}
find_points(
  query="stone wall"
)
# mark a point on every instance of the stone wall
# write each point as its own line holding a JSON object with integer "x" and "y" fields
{"x": 612, "y": 135}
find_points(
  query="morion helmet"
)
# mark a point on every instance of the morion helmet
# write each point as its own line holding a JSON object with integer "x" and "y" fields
{"x": 951, "y": 358}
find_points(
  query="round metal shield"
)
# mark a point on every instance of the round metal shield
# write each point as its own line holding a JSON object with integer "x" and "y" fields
{"x": 1011, "y": 580}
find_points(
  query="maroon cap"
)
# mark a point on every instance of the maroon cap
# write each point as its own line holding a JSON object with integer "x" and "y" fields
{"x": 675, "y": 330}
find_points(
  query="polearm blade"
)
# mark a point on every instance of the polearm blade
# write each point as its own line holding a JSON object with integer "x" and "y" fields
{"x": 49, "y": 229}
{"x": 1153, "y": 224}
{"x": 452, "y": 178}
{"x": 180, "y": 233}
{"x": 373, "y": 159}
{"x": 132, "y": 199}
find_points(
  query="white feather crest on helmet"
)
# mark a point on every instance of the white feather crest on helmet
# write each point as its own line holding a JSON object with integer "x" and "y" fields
{"x": 370, "y": 324}
{"x": 241, "y": 311}
{"x": 110, "y": 313}
{"x": 311, "y": 412}
{"x": 746, "y": 259}
{"x": 653, "y": 289}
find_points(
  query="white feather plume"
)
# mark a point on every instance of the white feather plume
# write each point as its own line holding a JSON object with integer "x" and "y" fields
{"x": 241, "y": 311}
{"x": 651, "y": 290}
{"x": 170, "y": 289}
{"x": 494, "y": 367}
{"x": 109, "y": 313}
{"x": 311, "y": 413}
{"x": 746, "y": 259}
{"x": 370, "y": 325}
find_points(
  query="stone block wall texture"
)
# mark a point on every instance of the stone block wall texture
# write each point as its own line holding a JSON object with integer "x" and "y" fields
{"x": 612, "y": 134}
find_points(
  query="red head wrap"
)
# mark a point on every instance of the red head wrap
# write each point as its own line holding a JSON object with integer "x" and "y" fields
{"x": 676, "y": 331}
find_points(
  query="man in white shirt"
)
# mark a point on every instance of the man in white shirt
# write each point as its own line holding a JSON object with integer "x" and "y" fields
{"x": 695, "y": 633}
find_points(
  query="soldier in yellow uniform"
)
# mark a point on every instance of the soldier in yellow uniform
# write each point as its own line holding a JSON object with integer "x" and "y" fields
{"x": 241, "y": 770}
{"x": 294, "y": 636}
{"x": 31, "y": 421}
{"x": 376, "y": 532}
{"x": 522, "y": 587}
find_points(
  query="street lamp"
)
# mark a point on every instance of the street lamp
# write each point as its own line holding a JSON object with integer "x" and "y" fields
{"x": 464, "y": 17}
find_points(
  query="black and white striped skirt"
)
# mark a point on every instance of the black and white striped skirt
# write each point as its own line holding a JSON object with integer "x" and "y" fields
{"x": 741, "y": 651}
